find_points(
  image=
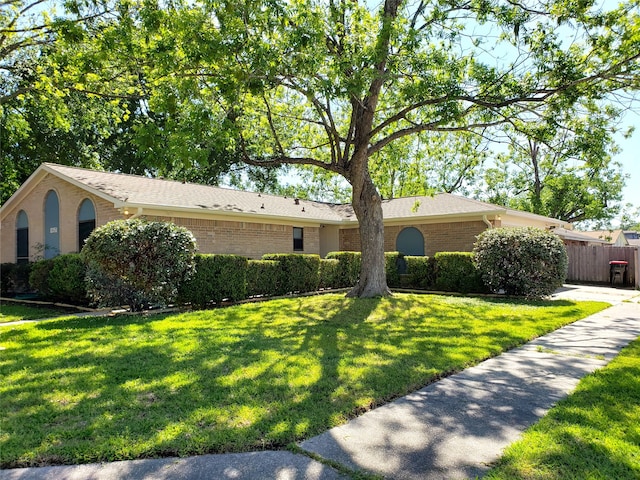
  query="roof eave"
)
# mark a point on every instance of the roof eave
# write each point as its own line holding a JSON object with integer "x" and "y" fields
{"x": 444, "y": 216}
{"x": 261, "y": 217}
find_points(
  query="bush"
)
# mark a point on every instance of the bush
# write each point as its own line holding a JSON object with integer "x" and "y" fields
{"x": 526, "y": 261}
{"x": 137, "y": 262}
{"x": 328, "y": 273}
{"x": 262, "y": 277}
{"x": 349, "y": 268}
{"x": 14, "y": 278}
{"x": 39, "y": 277}
{"x": 66, "y": 281}
{"x": 298, "y": 272}
{"x": 456, "y": 272}
{"x": 394, "y": 263}
{"x": 216, "y": 277}
{"x": 109, "y": 290}
{"x": 420, "y": 272}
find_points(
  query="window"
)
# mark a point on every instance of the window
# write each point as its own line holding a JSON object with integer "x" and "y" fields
{"x": 410, "y": 242}
{"x": 51, "y": 225}
{"x": 86, "y": 221}
{"x": 22, "y": 237}
{"x": 298, "y": 239}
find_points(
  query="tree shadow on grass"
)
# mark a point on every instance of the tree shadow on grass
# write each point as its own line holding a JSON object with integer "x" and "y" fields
{"x": 240, "y": 379}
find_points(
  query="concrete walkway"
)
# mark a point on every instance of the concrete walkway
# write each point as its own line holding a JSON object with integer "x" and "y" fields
{"x": 451, "y": 429}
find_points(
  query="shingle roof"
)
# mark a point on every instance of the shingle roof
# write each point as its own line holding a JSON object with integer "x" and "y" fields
{"x": 135, "y": 190}
{"x": 577, "y": 236}
{"x": 140, "y": 191}
{"x": 607, "y": 235}
{"x": 439, "y": 204}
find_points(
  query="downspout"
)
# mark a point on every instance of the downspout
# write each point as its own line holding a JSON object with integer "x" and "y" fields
{"x": 487, "y": 222}
{"x": 137, "y": 214}
{"x": 125, "y": 212}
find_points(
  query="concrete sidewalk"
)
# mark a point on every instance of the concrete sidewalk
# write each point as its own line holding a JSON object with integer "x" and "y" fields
{"x": 451, "y": 429}
{"x": 456, "y": 427}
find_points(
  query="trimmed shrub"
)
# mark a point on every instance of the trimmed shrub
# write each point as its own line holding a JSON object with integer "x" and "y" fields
{"x": 328, "y": 273}
{"x": 298, "y": 272}
{"x": 262, "y": 277}
{"x": 108, "y": 290}
{"x": 66, "y": 281}
{"x": 216, "y": 278}
{"x": 394, "y": 262}
{"x": 39, "y": 277}
{"x": 14, "y": 278}
{"x": 420, "y": 272}
{"x": 525, "y": 261}
{"x": 349, "y": 268}
{"x": 456, "y": 272}
{"x": 138, "y": 262}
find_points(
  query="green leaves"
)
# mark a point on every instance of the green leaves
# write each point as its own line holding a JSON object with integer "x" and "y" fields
{"x": 136, "y": 262}
{"x": 523, "y": 261}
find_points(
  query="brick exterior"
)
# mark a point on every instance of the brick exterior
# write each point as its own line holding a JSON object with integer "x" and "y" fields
{"x": 213, "y": 236}
{"x": 248, "y": 239}
{"x": 70, "y": 198}
{"x": 438, "y": 237}
{"x": 216, "y": 233}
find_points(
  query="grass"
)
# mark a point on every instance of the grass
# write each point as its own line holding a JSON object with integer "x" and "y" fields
{"x": 243, "y": 378}
{"x": 14, "y": 312}
{"x": 592, "y": 434}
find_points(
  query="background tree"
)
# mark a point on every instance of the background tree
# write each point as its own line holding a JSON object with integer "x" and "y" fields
{"x": 27, "y": 28}
{"x": 561, "y": 167}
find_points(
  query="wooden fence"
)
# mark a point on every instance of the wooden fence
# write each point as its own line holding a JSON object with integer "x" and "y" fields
{"x": 591, "y": 264}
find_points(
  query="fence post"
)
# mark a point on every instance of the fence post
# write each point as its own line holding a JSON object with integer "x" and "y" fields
{"x": 636, "y": 258}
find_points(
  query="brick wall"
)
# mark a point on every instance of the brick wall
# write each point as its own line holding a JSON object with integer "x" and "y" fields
{"x": 245, "y": 238}
{"x": 439, "y": 237}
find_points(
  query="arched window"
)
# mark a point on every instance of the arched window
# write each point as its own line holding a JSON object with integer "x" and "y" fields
{"x": 410, "y": 242}
{"x": 22, "y": 237}
{"x": 86, "y": 221}
{"x": 51, "y": 225}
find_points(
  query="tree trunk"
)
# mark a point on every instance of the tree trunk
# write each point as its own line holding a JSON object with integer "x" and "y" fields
{"x": 367, "y": 205}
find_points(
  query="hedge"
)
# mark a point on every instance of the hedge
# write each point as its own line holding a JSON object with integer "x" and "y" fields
{"x": 66, "y": 279}
{"x": 456, "y": 272}
{"x": 394, "y": 263}
{"x": 329, "y": 273}
{"x": 39, "y": 277}
{"x": 348, "y": 269}
{"x": 216, "y": 278}
{"x": 421, "y": 272}
{"x": 262, "y": 277}
{"x": 298, "y": 272}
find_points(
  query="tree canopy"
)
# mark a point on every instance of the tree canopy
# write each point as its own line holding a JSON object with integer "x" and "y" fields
{"x": 339, "y": 84}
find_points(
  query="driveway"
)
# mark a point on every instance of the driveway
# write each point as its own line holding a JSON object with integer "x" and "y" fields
{"x": 597, "y": 293}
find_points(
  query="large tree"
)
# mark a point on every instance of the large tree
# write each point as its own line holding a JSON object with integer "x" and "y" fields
{"x": 333, "y": 83}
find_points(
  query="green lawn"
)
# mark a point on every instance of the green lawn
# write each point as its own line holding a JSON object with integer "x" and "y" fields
{"x": 242, "y": 378}
{"x": 592, "y": 434}
{"x": 13, "y": 312}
